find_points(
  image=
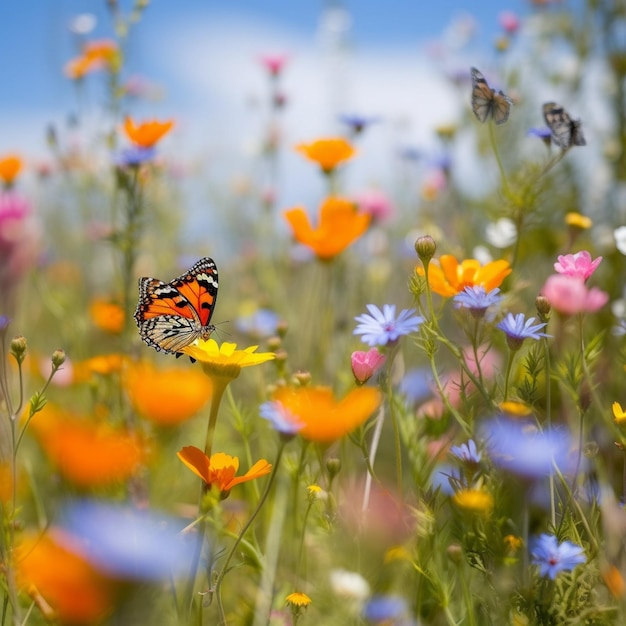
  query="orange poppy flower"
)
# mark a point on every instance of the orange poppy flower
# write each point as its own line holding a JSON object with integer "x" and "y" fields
{"x": 146, "y": 134}
{"x": 451, "y": 277}
{"x": 63, "y": 584}
{"x": 166, "y": 396}
{"x": 102, "y": 49}
{"x": 221, "y": 468}
{"x": 10, "y": 167}
{"x": 107, "y": 316}
{"x": 96, "y": 55}
{"x": 87, "y": 454}
{"x": 327, "y": 153}
{"x": 339, "y": 225}
{"x": 326, "y": 419}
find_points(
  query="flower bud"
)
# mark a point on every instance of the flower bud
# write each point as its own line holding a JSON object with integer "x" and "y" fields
{"x": 333, "y": 466}
{"x": 18, "y": 348}
{"x": 58, "y": 358}
{"x": 425, "y": 247}
{"x": 302, "y": 378}
{"x": 542, "y": 304}
{"x": 365, "y": 364}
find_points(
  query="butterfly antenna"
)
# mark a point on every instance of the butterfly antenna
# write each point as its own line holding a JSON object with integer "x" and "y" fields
{"x": 220, "y": 332}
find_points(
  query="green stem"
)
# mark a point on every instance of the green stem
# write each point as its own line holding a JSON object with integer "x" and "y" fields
{"x": 507, "y": 377}
{"x": 219, "y": 387}
{"x": 496, "y": 152}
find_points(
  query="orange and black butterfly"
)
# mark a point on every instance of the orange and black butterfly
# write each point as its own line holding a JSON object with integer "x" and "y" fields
{"x": 566, "y": 132}
{"x": 173, "y": 315}
{"x": 487, "y": 102}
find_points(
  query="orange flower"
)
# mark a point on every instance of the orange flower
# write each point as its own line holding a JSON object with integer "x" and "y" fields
{"x": 101, "y": 49}
{"x": 10, "y": 167}
{"x": 148, "y": 133}
{"x": 62, "y": 584}
{"x": 221, "y": 468}
{"x": 87, "y": 454}
{"x": 6, "y": 482}
{"x": 166, "y": 396}
{"x": 96, "y": 55}
{"x": 339, "y": 225}
{"x": 327, "y": 153}
{"x": 450, "y": 278}
{"x": 107, "y": 316}
{"x": 326, "y": 419}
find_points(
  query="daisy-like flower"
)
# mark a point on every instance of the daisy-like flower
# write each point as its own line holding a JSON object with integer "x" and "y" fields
{"x": 517, "y": 328}
{"x": 298, "y": 599}
{"x": 467, "y": 452}
{"x": 577, "y": 265}
{"x": 618, "y": 413}
{"x": 477, "y": 299}
{"x": 224, "y": 360}
{"x": 340, "y": 223}
{"x": 328, "y": 153}
{"x": 326, "y": 419}
{"x": 474, "y": 500}
{"x": 554, "y": 557}
{"x": 280, "y": 417}
{"x": 451, "y": 277}
{"x": 220, "y": 468}
{"x": 146, "y": 134}
{"x": 381, "y": 328}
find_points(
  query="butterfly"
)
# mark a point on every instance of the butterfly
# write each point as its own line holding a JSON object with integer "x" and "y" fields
{"x": 566, "y": 132}
{"x": 487, "y": 102}
{"x": 172, "y": 315}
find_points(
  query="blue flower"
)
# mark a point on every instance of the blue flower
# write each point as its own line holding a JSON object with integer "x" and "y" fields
{"x": 467, "y": 452}
{"x": 553, "y": 557}
{"x": 542, "y": 133}
{"x": 385, "y": 609}
{"x": 477, "y": 299}
{"x": 357, "y": 123}
{"x": 519, "y": 447}
{"x": 518, "y": 328}
{"x": 261, "y": 323}
{"x": 133, "y": 156}
{"x": 280, "y": 417}
{"x": 381, "y": 328}
{"x": 4, "y": 322}
{"x": 129, "y": 543}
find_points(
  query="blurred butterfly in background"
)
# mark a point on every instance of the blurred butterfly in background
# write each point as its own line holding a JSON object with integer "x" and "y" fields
{"x": 487, "y": 102}
{"x": 566, "y": 132}
{"x": 173, "y": 315}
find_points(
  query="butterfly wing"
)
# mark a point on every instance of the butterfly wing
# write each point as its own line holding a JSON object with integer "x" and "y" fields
{"x": 172, "y": 315}
{"x": 486, "y": 102}
{"x": 578, "y": 139}
{"x": 559, "y": 123}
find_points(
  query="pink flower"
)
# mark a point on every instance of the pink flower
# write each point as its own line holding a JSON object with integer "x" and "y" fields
{"x": 509, "y": 21}
{"x": 274, "y": 63}
{"x": 577, "y": 265}
{"x": 376, "y": 203}
{"x": 366, "y": 364}
{"x": 569, "y": 295}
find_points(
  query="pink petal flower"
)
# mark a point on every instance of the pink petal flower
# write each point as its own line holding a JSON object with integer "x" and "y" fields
{"x": 509, "y": 21}
{"x": 569, "y": 295}
{"x": 365, "y": 364}
{"x": 376, "y": 203}
{"x": 578, "y": 265}
{"x": 274, "y": 63}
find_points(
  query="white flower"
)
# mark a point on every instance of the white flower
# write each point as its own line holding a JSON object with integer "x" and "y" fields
{"x": 349, "y": 585}
{"x": 620, "y": 239}
{"x": 501, "y": 234}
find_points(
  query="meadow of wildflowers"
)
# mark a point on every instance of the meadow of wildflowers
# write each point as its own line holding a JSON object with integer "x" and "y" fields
{"x": 399, "y": 405}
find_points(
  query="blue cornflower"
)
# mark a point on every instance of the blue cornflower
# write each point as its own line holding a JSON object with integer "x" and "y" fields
{"x": 260, "y": 323}
{"x": 477, "y": 299}
{"x": 381, "y": 328}
{"x": 521, "y": 448}
{"x": 543, "y": 133}
{"x": 280, "y": 417}
{"x": 385, "y": 609}
{"x": 467, "y": 452}
{"x": 129, "y": 543}
{"x": 4, "y": 322}
{"x": 553, "y": 557}
{"x": 518, "y": 328}
{"x": 133, "y": 156}
{"x": 357, "y": 123}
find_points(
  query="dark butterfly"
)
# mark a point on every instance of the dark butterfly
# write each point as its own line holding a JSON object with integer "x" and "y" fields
{"x": 566, "y": 132}
{"x": 487, "y": 102}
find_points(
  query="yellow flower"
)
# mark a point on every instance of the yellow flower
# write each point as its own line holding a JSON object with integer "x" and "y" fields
{"x": 103, "y": 365}
{"x": 619, "y": 414}
{"x": 145, "y": 135}
{"x": 515, "y": 409}
{"x": 299, "y": 599}
{"x": 166, "y": 396}
{"x": 397, "y": 553}
{"x": 327, "y": 153}
{"x": 450, "y": 277}
{"x": 224, "y": 360}
{"x": 221, "y": 468}
{"x": 326, "y": 419}
{"x": 107, "y": 316}
{"x": 339, "y": 224}
{"x": 576, "y": 220}
{"x": 474, "y": 500}
{"x": 513, "y": 543}
{"x": 10, "y": 167}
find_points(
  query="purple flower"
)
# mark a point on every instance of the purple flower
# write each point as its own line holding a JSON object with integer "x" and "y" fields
{"x": 519, "y": 447}
{"x": 381, "y": 328}
{"x": 358, "y": 123}
{"x": 467, "y": 452}
{"x": 518, "y": 328}
{"x": 385, "y": 609}
{"x": 4, "y": 322}
{"x": 280, "y": 417}
{"x": 477, "y": 299}
{"x": 543, "y": 133}
{"x": 553, "y": 557}
{"x": 133, "y": 156}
